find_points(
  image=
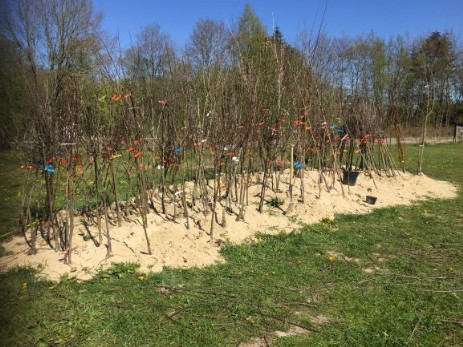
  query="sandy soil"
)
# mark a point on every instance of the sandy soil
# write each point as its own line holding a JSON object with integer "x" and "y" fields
{"x": 173, "y": 245}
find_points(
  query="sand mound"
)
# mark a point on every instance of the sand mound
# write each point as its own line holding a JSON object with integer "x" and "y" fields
{"x": 173, "y": 245}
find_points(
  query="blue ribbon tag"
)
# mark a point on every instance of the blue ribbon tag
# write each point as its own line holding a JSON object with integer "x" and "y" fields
{"x": 49, "y": 168}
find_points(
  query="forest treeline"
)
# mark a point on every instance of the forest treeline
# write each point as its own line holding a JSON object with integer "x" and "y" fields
{"x": 59, "y": 71}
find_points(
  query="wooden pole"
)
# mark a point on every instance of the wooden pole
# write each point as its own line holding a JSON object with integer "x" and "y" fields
{"x": 291, "y": 172}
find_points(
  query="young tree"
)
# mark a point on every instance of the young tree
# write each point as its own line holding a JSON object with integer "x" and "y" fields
{"x": 432, "y": 65}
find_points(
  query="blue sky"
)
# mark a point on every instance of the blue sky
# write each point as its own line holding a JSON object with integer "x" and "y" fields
{"x": 342, "y": 17}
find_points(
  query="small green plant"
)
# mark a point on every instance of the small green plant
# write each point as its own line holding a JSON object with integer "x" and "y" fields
{"x": 293, "y": 218}
{"x": 328, "y": 221}
{"x": 119, "y": 270}
{"x": 274, "y": 202}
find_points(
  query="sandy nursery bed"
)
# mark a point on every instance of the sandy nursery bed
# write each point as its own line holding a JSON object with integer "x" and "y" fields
{"x": 173, "y": 245}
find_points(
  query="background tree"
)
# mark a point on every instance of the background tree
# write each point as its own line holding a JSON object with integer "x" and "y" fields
{"x": 15, "y": 111}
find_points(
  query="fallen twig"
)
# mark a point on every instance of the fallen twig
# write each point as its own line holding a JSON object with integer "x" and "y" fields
{"x": 442, "y": 291}
{"x": 416, "y": 327}
{"x": 460, "y": 322}
{"x": 284, "y": 320}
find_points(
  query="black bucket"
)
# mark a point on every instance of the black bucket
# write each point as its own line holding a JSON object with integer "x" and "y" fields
{"x": 349, "y": 177}
{"x": 371, "y": 199}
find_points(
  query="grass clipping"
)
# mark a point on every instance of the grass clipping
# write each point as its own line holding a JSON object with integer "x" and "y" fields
{"x": 173, "y": 245}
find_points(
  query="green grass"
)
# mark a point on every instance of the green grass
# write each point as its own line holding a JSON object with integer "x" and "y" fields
{"x": 442, "y": 161}
{"x": 415, "y": 299}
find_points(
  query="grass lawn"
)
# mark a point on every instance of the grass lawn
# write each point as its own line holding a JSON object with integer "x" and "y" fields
{"x": 412, "y": 296}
